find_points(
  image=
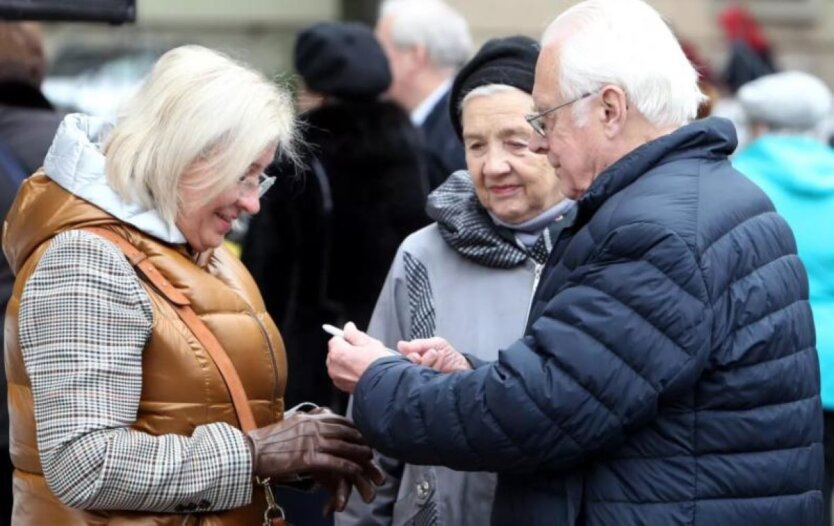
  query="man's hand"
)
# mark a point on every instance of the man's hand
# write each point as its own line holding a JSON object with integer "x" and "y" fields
{"x": 350, "y": 356}
{"x": 436, "y": 353}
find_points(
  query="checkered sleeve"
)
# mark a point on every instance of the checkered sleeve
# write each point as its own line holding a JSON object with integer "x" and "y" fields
{"x": 84, "y": 322}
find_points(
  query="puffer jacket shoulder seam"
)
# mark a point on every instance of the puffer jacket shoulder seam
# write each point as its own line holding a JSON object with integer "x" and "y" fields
{"x": 758, "y": 268}
{"x": 668, "y": 277}
{"x": 768, "y": 315}
{"x": 733, "y": 228}
{"x": 691, "y": 246}
{"x": 770, "y": 360}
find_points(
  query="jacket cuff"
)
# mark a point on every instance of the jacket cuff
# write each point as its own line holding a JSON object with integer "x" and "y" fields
{"x": 474, "y": 361}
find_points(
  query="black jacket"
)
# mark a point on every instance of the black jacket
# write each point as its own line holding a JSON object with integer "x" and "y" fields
{"x": 27, "y": 123}
{"x": 445, "y": 154}
{"x": 325, "y": 237}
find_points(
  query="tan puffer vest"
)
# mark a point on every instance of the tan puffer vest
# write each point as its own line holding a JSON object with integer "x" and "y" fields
{"x": 181, "y": 387}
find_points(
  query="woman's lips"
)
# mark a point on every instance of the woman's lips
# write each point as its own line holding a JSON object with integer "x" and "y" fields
{"x": 225, "y": 222}
{"x": 504, "y": 189}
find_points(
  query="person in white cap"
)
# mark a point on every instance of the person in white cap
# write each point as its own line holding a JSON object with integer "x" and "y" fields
{"x": 790, "y": 161}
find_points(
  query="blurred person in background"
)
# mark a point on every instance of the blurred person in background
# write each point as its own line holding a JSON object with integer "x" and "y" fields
{"x": 27, "y": 119}
{"x": 27, "y": 126}
{"x": 790, "y": 160}
{"x": 751, "y": 55}
{"x": 471, "y": 275}
{"x": 122, "y": 381}
{"x": 11, "y": 175}
{"x": 362, "y": 191}
{"x": 668, "y": 373}
{"x": 426, "y": 42}
{"x": 707, "y": 82}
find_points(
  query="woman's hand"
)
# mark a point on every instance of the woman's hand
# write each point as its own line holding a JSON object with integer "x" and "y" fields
{"x": 436, "y": 353}
{"x": 323, "y": 445}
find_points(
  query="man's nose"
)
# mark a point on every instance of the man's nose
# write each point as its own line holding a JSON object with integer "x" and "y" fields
{"x": 538, "y": 144}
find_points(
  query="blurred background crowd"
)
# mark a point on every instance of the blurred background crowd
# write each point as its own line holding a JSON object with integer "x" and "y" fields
{"x": 92, "y": 66}
{"x": 357, "y": 125}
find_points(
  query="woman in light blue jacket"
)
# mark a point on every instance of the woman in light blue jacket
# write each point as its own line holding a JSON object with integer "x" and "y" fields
{"x": 795, "y": 168}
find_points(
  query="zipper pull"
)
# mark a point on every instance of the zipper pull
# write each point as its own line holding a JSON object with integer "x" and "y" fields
{"x": 537, "y": 274}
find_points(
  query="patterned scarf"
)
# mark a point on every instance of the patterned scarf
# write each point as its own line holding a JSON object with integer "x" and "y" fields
{"x": 467, "y": 227}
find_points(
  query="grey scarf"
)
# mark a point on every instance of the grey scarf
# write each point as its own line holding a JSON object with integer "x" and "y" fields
{"x": 467, "y": 227}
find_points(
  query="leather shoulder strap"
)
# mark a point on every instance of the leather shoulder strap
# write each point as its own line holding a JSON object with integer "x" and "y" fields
{"x": 203, "y": 334}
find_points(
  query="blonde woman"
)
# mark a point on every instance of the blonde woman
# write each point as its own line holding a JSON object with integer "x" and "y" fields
{"x": 121, "y": 410}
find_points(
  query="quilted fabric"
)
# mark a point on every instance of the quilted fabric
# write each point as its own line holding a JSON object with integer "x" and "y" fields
{"x": 668, "y": 374}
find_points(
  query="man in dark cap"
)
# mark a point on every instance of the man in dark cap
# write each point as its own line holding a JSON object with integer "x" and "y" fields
{"x": 495, "y": 226}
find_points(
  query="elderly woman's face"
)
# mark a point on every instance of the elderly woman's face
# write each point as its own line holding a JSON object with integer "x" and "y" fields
{"x": 205, "y": 226}
{"x": 512, "y": 182}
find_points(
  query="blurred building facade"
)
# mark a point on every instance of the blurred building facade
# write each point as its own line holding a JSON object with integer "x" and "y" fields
{"x": 262, "y": 31}
{"x": 799, "y": 30}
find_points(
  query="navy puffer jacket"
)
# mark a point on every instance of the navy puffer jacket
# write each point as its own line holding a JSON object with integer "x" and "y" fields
{"x": 668, "y": 377}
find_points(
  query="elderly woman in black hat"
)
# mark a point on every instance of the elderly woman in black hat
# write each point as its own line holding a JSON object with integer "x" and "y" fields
{"x": 470, "y": 275}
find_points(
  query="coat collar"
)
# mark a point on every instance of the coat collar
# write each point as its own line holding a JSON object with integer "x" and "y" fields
{"x": 711, "y": 137}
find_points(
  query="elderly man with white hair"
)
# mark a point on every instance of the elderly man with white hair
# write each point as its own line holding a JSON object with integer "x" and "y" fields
{"x": 668, "y": 374}
{"x": 426, "y": 42}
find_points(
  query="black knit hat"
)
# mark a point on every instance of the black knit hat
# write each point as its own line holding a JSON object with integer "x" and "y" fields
{"x": 510, "y": 61}
{"x": 342, "y": 59}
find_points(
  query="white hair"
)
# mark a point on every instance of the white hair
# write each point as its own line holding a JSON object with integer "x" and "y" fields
{"x": 432, "y": 24}
{"x": 625, "y": 43}
{"x": 485, "y": 91}
{"x": 196, "y": 106}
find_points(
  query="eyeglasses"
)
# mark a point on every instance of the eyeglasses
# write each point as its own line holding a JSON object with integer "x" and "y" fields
{"x": 248, "y": 187}
{"x": 536, "y": 120}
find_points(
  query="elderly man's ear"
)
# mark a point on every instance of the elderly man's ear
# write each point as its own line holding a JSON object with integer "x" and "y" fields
{"x": 613, "y": 111}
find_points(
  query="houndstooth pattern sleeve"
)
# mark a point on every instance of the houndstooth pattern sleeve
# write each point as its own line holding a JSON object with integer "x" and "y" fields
{"x": 84, "y": 321}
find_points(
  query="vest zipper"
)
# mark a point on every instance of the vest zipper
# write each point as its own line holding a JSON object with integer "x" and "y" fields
{"x": 537, "y": 274}
{"x": 271, "y": 356}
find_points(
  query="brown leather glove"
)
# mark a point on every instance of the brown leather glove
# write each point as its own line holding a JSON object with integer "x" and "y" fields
{"x": 340, "y": 487}
{"x": 326, "y": 446}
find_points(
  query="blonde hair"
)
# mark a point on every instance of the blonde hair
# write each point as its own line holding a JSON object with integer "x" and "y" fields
{"x": 196, "y": 106}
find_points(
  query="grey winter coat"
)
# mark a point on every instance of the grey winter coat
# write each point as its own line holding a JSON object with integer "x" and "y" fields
{"x": 462, "y": 279}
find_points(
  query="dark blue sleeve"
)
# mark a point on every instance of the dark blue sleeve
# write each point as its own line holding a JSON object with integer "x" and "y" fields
{"x": 630, "y": 326}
